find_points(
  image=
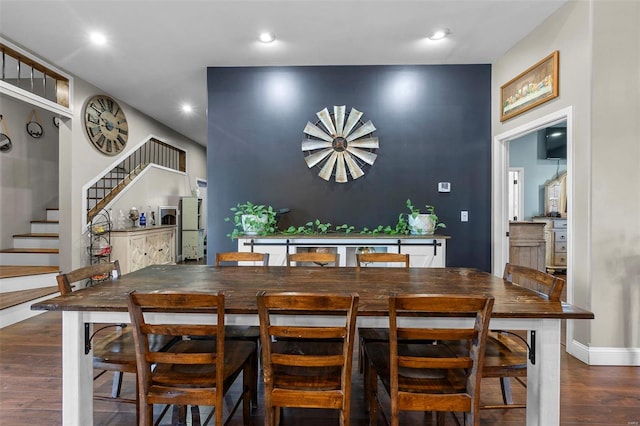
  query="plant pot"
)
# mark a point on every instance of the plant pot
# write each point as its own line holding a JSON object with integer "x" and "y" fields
{"x": 253, "y": 224}
{"x": 422, "y": 224}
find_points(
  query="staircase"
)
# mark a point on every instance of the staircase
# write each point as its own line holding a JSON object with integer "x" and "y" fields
{"x": 153, "y": 151}
{"x": 28, "y": 270}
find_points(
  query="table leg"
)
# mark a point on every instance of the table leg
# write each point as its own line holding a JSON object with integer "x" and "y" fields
{"x": 543, "y": 378}
{"x": 77, "y": 380}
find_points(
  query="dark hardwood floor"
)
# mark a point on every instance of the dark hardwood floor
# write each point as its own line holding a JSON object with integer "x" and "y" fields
{"x": 31, "y": 369}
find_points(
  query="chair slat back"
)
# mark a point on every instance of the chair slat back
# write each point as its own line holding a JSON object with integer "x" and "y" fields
{"x": 302, "y": 350}
{"x": 362, "y": 259}
{"x": 321, "y": 259}
{"x": 65, "y": 281}
{"x": 142, "y": 307}
{"x": 192, "y": 371}
{"x": 542, "y": 282}
{"x": 241, "y": 256}
{"x": 450, "y": 352}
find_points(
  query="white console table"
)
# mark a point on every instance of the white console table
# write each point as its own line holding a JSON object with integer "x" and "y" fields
{"x": 426, "y": 251}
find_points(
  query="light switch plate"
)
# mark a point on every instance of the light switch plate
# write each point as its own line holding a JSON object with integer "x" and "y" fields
{"x": 444, "y": 186}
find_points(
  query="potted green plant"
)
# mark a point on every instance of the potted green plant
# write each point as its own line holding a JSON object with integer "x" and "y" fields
{"x": 423, "y": 223}
{"x": 252, "y": 219}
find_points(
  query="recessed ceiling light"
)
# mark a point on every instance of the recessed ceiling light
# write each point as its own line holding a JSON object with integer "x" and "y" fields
{"x": 98, "y": 39}
{"x": 187, "y": 108}
{"x": 267, "y": 37}
{"x": 439, "y": 34}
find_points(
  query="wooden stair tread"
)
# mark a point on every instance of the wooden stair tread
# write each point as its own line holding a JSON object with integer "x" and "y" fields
{"x": 13, "y": 298}
{"x": 36, "y": 235}
{"x": 12, "y": 271}
{"x": 30, "y": 250}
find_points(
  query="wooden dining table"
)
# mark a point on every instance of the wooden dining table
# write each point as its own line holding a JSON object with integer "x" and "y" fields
{"x": 515, "y": 308}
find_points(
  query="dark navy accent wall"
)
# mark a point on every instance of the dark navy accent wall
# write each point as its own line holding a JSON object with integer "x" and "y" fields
{"x": 433, "y": 123}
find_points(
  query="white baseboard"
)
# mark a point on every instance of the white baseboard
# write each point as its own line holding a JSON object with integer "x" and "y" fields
{"x": 590, "y": 355}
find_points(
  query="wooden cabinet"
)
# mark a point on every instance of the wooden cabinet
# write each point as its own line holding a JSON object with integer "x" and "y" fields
{"x": 192, "y": 232}
{"x": 559, "y": 232}
{"x": 527, "y": 245}
{"x": 137, "y": 248}
{"x": 555, "y": 232}
{"x": 425, "y": 251}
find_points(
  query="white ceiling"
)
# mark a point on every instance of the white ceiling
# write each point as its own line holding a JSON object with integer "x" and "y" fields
{"x": 158, "y": 50}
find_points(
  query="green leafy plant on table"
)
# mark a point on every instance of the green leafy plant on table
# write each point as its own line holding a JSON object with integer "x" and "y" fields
{"x": 252, "y": 219}
{"x": 420, "y": 223}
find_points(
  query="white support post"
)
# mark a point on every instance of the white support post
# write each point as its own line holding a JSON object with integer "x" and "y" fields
{"x": 543, "y": 378}
{"x": 77, "y": 380}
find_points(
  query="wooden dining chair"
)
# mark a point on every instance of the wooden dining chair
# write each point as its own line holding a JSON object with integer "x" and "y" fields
{"x": 318, "y": 258}
{"x": 113, "y": 345}
{"x": 244, "y": 332}
{"x": 364, "y": 259}
{"x": 428, "y": 375}
{"x": 307, "y": 366}
{"x": 368, "y": 334}
{"x": 507, "y": 353}
{"x": 192, "y": 372}
{"x": 241, "y": 256}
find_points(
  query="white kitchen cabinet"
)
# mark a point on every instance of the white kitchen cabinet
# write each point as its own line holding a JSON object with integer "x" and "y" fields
{"x": 192, "y": 232}
{"x": 136, "y": 248}
{"x": 193, "y": 244}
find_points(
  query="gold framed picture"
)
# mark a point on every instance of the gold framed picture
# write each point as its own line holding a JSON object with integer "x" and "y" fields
{"x": 535, "y": 86}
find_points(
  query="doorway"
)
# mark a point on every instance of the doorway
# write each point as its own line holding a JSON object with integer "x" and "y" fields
{"x": 500, "y": 190}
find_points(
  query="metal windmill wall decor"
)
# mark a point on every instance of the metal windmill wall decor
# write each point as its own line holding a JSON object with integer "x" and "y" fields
{"x": 340, "y": 144}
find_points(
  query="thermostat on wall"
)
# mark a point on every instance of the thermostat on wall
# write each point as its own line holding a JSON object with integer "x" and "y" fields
{"x": 444, "y": 186}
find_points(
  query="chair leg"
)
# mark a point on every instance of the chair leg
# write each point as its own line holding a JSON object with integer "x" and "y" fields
{"x": 195, "y": 416}
{"x": 270, "y": 416}
{"x": 146, "y": 415}
{"x": 253, "y": 379}
{"x": 179, "y": 415}
{"x": 116, "y": 387}
{"x": 361, "y": 356}
{"x": 365, "y": 378}
{"x": 371, "y": 391}
{"x": 505, "y": 386}
{"x": 248, "y": 384}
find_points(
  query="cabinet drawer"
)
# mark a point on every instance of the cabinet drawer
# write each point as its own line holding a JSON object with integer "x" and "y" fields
{"x": 560, "y": 247}
{"x": 560, "y": 235}
{"x": 560, "y": 259}
{"x": 560, "y": 224}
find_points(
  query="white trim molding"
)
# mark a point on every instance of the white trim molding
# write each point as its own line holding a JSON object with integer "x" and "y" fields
{"x": 621, "y": 357}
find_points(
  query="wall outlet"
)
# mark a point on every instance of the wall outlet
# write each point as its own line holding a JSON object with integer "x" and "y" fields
{"x": 464, "y": 216}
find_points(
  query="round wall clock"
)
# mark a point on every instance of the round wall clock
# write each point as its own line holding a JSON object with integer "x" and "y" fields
{"x": 340, "y": 144}
{"x": 106, "y": 124}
